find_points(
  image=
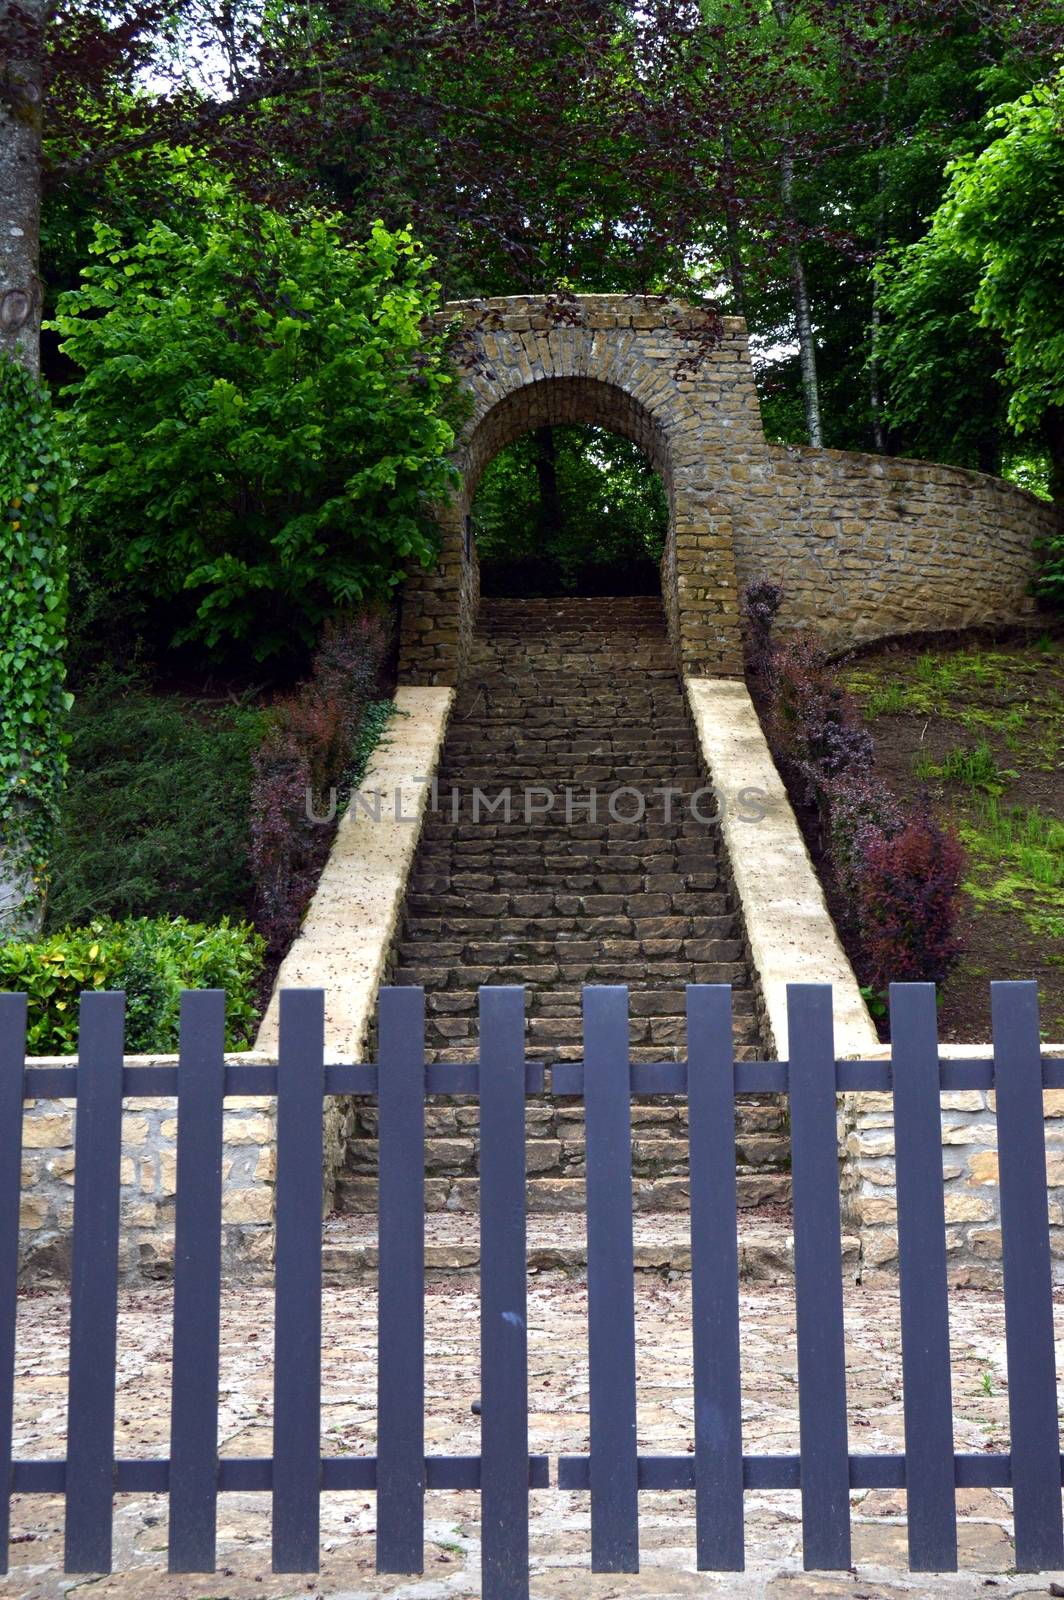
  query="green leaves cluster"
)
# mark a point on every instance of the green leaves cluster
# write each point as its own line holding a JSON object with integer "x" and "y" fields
{"x": 33, "y": 597}
{"x": 1004, "y": 212}
{"x": 977, "y": 304}
{"x": 259, "y": 424}
{"x": 152, "y": 961}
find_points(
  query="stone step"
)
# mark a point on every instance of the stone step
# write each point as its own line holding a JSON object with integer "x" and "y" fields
{"x": 547, "y": 962}
{"x": 656, "y": 1156}
{"x": 358, "y": 1193}
{"x": 571, "y": 695}
{"x": 662, "y": 1244}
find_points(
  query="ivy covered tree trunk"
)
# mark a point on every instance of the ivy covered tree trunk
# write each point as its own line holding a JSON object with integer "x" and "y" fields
{"x": 33, "y": 595}
{"x": 22, "y": 25}
{"x": 31, "y": 583}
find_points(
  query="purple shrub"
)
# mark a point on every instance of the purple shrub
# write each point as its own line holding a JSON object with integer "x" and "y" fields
{"x": 308, "y": 751}
{"x": 759, "y": 605}
{"x": 898, "y": 871}
{"x": 908, "y": 902}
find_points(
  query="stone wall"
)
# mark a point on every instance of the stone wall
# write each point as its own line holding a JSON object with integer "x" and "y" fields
{"x": 148, "y": 1179}
{"x": 970, "y": 1171}
{"x": 864, "y": 545}
{"x": 867, "y": 545}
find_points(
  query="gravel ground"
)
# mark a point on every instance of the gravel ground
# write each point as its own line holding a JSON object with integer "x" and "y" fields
{"x": 558, "y": 1422}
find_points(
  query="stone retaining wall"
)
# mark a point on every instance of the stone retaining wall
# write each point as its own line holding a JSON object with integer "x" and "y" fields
{"x": 867, "y": 545}
{"x": 149, "y": 1180}
{"x": 970, "y": 1168}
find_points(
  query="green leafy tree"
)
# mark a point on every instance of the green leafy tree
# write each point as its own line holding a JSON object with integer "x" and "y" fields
{"x": 978, "y": 303}
{"x": 943, "y": 368}
{"x": 1003, "y": 210}
{"x": 259, "y": 424}
{"x": 564, "y": 501}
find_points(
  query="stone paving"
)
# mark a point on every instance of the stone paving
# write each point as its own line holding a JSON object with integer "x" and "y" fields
{"x": 558, "y": 1423}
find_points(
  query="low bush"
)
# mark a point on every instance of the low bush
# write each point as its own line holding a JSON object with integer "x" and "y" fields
{"x": 897, "y": 873}
{"x": 759, "y": 605}
{"x": 907, "y": 902}
{"x": 312, "y": 747}
{"x": 155, "y": 816}
{"x": 152, "y": 960}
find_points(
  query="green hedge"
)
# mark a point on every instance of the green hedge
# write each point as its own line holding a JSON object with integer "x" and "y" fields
{"x": 152, "y": 961}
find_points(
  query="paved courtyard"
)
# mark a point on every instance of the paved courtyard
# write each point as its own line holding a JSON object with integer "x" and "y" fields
{"x": 558, "y": 1389}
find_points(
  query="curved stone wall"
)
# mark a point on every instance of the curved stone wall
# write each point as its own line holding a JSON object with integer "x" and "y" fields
{"x": 863, "y": 545}
{"x": 867, "y": 545}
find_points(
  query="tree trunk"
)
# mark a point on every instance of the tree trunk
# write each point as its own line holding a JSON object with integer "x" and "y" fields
{"x": 799, "y": 287}
{"x": 731, "y": 223}
{"x": 20, "y": 180}
{"x": 21, "y": 80}
{"x": 802, "y": 314}
{"x": 1053, "y": 427}
{"x": 550, "y": 500}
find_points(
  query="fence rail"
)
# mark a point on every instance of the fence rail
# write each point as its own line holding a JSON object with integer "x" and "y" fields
{"x": 296, "y": 1474}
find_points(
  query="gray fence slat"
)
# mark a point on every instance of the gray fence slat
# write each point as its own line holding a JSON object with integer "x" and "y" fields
{"x": 715, "y": 1279}
{"x": 503, "y": 1297}
{"x": 297, "y": 1282}
{"x": 401, "y": 1310}
{"x": 1025, "y": 1254}
{"x": 818, "y": 1280}
{"x": 94, "y": 1285}
{"x": 13, "y": 1013}
{"x": 610, "y": 1283}
{"x": 197, "y": 1283}
{"x": 930, "y": 1495}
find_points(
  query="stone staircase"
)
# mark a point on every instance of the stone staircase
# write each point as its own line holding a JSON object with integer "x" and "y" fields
{"x": 577, "y": 695}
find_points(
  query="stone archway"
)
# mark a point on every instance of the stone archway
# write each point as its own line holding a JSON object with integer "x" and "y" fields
{"x": 675, "y": 381}
{"x": 863, "y": 545}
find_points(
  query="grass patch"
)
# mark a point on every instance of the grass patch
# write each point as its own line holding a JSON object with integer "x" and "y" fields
{"x": 987, "y": 691}
{"x": 1017, "y": 863}
{"x": 974, "y": 768}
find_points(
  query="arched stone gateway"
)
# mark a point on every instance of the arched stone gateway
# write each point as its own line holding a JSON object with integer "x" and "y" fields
{"x": 864, "y": 545}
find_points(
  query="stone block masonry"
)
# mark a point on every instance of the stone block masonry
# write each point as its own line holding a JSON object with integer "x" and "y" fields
{"x": 148, "y": 1179}
{"x": 863, "y": 545}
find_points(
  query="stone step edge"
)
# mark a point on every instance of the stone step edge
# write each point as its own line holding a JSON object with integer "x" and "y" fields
{"x": 760, "y": 1260}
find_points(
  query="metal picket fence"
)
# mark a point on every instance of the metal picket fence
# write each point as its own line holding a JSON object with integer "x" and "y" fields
{"x": 296, "y": 1474}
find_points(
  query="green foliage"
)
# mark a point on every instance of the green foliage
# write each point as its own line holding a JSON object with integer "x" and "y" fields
{"x": 943, "y": 368}
{"x": 259, "y": 426}
{"x": 33, "y": 599}
{"x": 974, "y": 768}
{"x": 155, "y": 817}
{"x": 609, "y": 508}
{"x": 1017, "y": 863}
{"x": 152, "y": 961}
{"x": 1003, "y": 211}
{"x": 987, "y": 278}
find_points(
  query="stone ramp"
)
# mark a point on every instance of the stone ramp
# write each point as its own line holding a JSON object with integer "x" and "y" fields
{"x": 570, "y": 844}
